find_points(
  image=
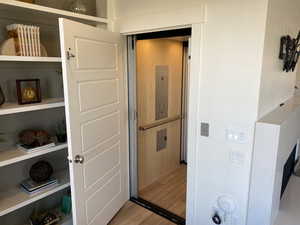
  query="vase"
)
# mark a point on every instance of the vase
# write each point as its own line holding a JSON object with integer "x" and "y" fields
{"x": 2, "y": 97}
{"x": 77, "y": 6}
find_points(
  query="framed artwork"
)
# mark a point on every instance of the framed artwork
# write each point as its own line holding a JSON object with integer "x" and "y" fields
{"x": 28, "y": 91}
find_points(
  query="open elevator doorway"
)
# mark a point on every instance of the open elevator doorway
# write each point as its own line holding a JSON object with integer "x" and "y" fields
{"x": 158, "y": 68}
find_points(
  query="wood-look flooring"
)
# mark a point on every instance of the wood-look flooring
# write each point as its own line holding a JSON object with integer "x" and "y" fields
{"x": 168, "y": 192}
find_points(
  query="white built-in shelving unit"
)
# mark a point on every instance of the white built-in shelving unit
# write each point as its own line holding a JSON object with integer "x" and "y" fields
{"x": 13, "y": 160}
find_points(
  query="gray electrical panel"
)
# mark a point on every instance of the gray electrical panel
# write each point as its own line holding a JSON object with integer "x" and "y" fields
{"x": 161, "y": 140}
{"x": 161, "y": 91}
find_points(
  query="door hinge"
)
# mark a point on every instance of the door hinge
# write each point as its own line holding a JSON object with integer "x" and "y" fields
{"x": 70, "y": 55}
{"x": 70, "y": 159}
{"x": 134, "y": 115}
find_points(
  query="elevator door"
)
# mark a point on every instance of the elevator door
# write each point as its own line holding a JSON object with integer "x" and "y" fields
{"x": 161, "y": 177}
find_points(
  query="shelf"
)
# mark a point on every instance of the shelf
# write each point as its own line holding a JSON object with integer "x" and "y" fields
{"x": 15, "y": 155}
{"x": 15, "y": 198}
{"x": 5, "y": 58}
{"x": 9, "y": 5}
{"x": 12, "y": 108}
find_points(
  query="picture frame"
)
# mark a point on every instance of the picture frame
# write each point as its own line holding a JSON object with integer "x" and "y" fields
{"x": 28, "y": 91}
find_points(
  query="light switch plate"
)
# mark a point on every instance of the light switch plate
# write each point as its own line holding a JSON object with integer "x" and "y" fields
{"x": 236, "y": 135}
{"x": 205, "y": 129}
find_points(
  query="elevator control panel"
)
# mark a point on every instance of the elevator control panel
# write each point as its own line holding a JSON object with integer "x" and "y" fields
{"x": 161, "y": 140}
{"x": 161, "y": 91}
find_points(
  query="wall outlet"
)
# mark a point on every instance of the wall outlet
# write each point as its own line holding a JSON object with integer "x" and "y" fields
{"x": 237, "y": 157}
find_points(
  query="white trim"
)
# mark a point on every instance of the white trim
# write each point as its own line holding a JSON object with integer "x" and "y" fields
{"x": 193, "y": 113}
{"x": 193, "y": 121}
{"x": 157, "y": 29}
{"x": 132, "y": 109}
{"x": 125, "y": 81}
{"x": 151, "y": 21}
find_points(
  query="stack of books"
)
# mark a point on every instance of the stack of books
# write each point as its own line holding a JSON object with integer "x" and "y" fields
{"x": 30, "y": 149}
{"x": 26, "y": 38}
{"x": 32, "y": 187}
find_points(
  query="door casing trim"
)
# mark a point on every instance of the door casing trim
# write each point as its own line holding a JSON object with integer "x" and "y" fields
{"x": 194, "y": 84}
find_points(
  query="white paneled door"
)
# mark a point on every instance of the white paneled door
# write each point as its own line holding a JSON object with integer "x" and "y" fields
{"x": 96, "y": 121}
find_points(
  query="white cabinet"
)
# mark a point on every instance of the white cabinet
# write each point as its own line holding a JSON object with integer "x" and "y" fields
{"x": 90, "y": 96}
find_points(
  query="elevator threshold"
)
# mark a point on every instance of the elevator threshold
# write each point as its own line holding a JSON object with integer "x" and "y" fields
{"x": 159, "y": 211}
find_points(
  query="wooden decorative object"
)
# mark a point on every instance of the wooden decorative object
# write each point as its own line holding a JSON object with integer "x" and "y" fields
{"x": 28, "y": 91}
{"x": 34, "y": 138}
{"x": 41, "y": 171}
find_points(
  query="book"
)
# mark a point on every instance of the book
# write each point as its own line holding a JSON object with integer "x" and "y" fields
{"x": 21, "y": 37}
{"x": 35, "y": 30}
{"x": 32, "y": 187}
{"x": 28, "y": 32}
{"x": 20, "y": 40}
{"x": 25, "y": 32}
{"x": 30, "y": 149}
{"x": 38, "y": 42}
{"x": 31, "y": 28}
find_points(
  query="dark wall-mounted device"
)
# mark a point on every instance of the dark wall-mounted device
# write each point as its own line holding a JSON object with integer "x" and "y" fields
{"x": 289, "y": 52}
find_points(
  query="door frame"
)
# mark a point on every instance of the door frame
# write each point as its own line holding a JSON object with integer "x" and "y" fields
{"x": 193, "y": 108}
{"x": 184, "y": 109}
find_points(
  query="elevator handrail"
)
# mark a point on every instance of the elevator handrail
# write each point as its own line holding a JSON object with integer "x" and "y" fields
{"x": 159, "y": 123}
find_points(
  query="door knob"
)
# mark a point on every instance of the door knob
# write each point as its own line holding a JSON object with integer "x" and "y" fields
{"x": 79, "y": 159}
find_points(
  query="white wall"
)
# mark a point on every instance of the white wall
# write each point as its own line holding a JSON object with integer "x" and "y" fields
{"x": 233, "y": 39}
{"x": 137, "y": 16}
{"x": 277, "y": 86}
{"x": 232, "y": 56}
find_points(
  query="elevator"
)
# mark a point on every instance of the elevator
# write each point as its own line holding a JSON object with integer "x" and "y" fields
{"x": 158, "y": 75}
